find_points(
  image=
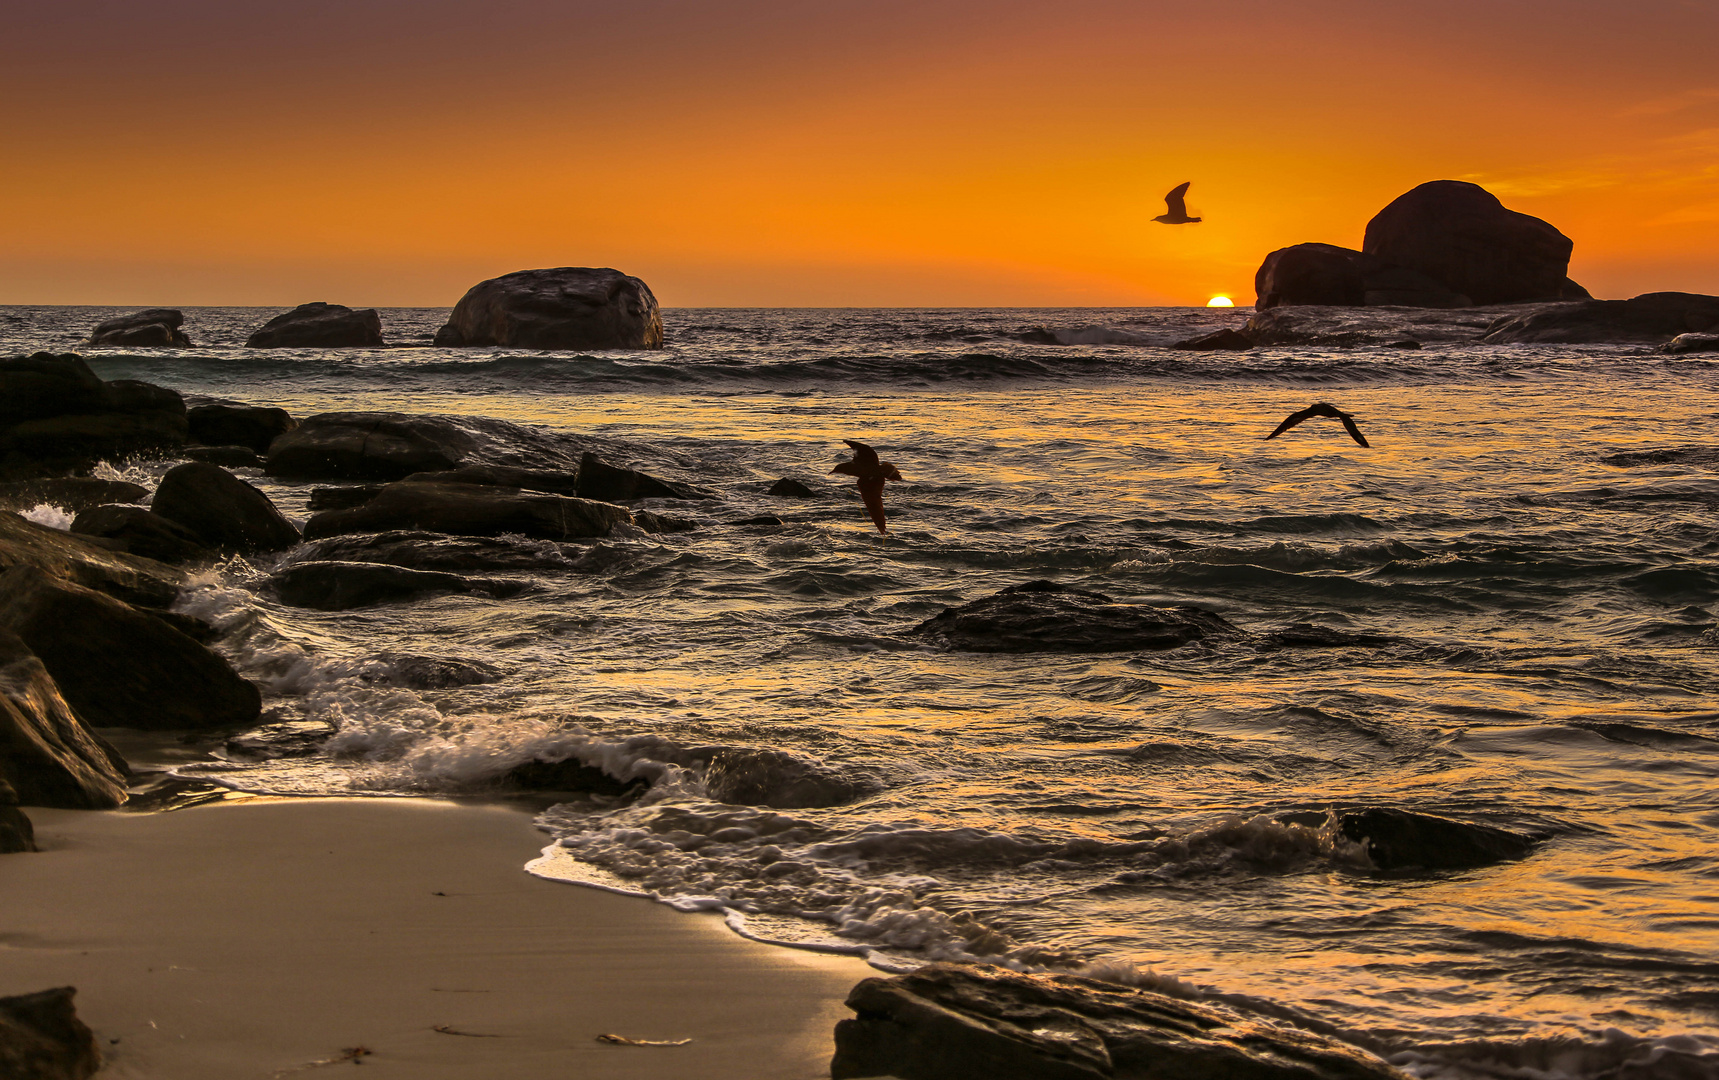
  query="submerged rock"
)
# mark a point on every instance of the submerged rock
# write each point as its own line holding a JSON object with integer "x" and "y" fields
{"x": 1402, "y": 839}
{"x": 438, "y": 551}
{"x": 653, "y": 522}
{"x": 958, "y": 1022}
{"x": 556, "y": 483}
{"x": 1651, "y": 318}
{"x": 223, "y": 511}
{"x": 793, "y": 489}
{"x": 430, "y": 672}
{"x": 255, "y": 426}
{"x": 471, "y": 510}
{"x": 158, "y": 327}
{"x": 320, "y": 326}
{"x": 41, "y": 1038}
{"x": 74, "y": 558}
{"x": 138, "y": 531}
{"x": 48, "y": 757}
{"x": 570, "y": 774}
{"x": 752, "y": 776}
{"x": 606, "y": 483}
{"x": 72, "y": 493}
{"x": 1460, "y": 235}
{"x": 393, "y": 446}
{"x": 1217, "y": 340}
{"x": 340, "y": 586}
{"x": 1688, "y": 343}
{"x": 270, "y": 742}
{"x": 1042, "y": 616}
{"x": 568, "y": 307}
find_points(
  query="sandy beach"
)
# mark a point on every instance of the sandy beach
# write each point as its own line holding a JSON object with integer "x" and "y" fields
{"x": 266, "y": 938}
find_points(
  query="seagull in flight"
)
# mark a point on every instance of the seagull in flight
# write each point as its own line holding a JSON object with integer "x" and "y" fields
{"x": 872, "y": 473}
{"x": 1178, "y": 214}
{"x": 1321, "y": 409}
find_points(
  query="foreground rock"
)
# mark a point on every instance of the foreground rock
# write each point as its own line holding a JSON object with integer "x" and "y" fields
{"x": 119, "y": 667}
{"x": 556, "y": 483}
{"x": 1460, "y": 235}
{"x": 48, "y": 757}
{"x": 155, "y": 327}
{"x": 1651, "y": 318}
{"x": 606, "y": 483}
{"x": 955, "y": 1022}
{"x": 320, "y": 326}
{"x": 68, "y": 492}
{"x": 1042, "y": 616}
{"x": 41, "y": 1038}
{"x": 56, "y": 416}
{"x": 137, "y": 531}
{"x": 471, "y": 510}
{"x": 223, "y": 511}
{"x": 439, "y": 551}
{"x": 1688, "y": 343}
{"x": 73, "y": 558}
{"x": 253, "y": 426}
{"x": 393, "y": 446}
{"x": 568, "y": 307}
{"x": 339, "y": 586}
{"x": 1403, "y": 840}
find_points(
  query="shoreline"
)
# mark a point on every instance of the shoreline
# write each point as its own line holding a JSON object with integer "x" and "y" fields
{"x": 267, "y": 937}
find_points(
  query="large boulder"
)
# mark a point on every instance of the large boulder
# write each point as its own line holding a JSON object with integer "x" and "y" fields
{"x": 568, "y": 307}
{"x": 48, "y": 757}
{"x": 77, "y": 559}
{"x": 1310, "y": 274}
{"x": 41, "y": 1038}
{"x": 471, "y": 510}
{"x": 137, "y": 531}
{"x": 320, "y": 326}
{"x": 393, "y": 446}
{"x": 957, "y": 1022}
{"x": 1042, "y": 616}
{"x": 255, "y": 426}
{"x": 1398, "y": 286}
{"x": 340, "y": 586}
{"x": 68, "y": 492}
{"x": 1461, "y": 236}
{"x": 56, "y": 416}
{"x": 1652, "y": 318}
{"x": 223, "y": 511}
{"x": 156, "y": 327}
{"x": 119, "y": 667}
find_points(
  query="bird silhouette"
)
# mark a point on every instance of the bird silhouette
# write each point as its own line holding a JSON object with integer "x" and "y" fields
{"x": 871, "y": 473}
{"x": 1321, "y": 409}
{"x": 1178, "y": 214}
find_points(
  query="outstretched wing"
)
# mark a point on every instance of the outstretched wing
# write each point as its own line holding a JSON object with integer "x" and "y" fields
{"x": 1174, "y": 200}
{"x": 1290, "y": 421}
{"x": 863, "y": 454}
{"x": 871, "y": 490}
{"x": 1354, "y": 432}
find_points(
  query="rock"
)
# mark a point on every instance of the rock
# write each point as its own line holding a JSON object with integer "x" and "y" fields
{"x": 1398, "y": 286}
{"x": 605, "y": 483}
{"x": 56, "y": 416}
{"x": 1042, "y": 616}
{"x": 761, "y": 519}
{"x": 119, "y": 667}
{"x": 320, "y": 326}
{"x": 1462, "y": 237}
{"x": 137, "y": 531}
{"x": 1400, "y": 839}
{"x": 570, "y": 307}
{"x": 792, "y": 489}
{"x": 154, "y": 327}
{"x": 228, "y": 457}
{"x": 1303, "y": 635}
{"x": 437, "y": 551}
{"x": 430, "y": 672}
{"x": 74, "y": 558}
{"x": 1651, "y": 318}
{"x": 393, "y": 446}
{"x": 344, "y": 498}
{"x": 1310, "y": 274}
{"x": 471, "y": 510}
{"x": 558, "y": 483}
{"x": 17, "y": 835}
{"x": 48, "y": 757}
{"x": 570, "y": 774}
{"x": 1350, "y": 326}
{"x": 340, "y": 586}
{"x": 1225, "y": 339}
{"x": 957, "y": 1022}
{"x": 270, "y": 742}
{"x": 1688, "y": 343}
{"x": 751, "y": 776}
{"x": 223, "y": 511}
{"x": 41, "y": 1038}
{"x": 255, "y": 426}
{"x": 68, "y": 492}
{"x": 1706, "y": 457}
{"x": 653, "y": 522}
{"x": 48, "y": 384}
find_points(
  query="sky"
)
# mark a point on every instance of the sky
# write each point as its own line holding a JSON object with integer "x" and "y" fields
{"x": 765, "y": 153}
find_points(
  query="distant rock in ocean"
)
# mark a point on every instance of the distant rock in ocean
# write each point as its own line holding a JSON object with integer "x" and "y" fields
{"x": 157, "y": 327}
{"x": 568, "y": 307}
{"x": 1649, "y": 318}
{"x": 320, "y": 326}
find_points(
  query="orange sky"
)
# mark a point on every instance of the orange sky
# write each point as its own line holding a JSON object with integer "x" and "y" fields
{"x": 392, "y": 152}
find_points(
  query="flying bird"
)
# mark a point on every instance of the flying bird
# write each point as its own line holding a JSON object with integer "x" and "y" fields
{"x": 1178, "y": 214}
{"x": 872, "y": 473}
{"x": 1321, "y": 409}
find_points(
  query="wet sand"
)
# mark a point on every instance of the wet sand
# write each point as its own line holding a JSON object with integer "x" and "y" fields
{"x": 264, "y": 938}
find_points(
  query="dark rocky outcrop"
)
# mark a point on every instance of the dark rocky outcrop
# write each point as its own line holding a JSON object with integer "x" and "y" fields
{"x": 48, "y": 757}
{"x": 345, "y": 498}
{"x": 958, "y": 1022}
{"x": 56, "y": 416}
{"x": 1216, "y": 341}
{"x": 320, "y": 326}
{"x": 1042, "y": 616}
{"x": 340, "y": 586}
{"x": 792, "y": 489}
{"x": 653, "y": 522}
{"x": 570, "y": 774}
{"x": 41, "y": 1038}
{"x": 137, "y": 531}
{"x": 1398, "y": 286}
{"x": 1402, "y": 839}
{"x": 1345, "y": 327}
{"x": 1651, "y": 318}
{"x": 569, "y": 307}
{"x": 228, "y": 457}
{"x": 430, "y": 672}
{"x": 119, "y": 667}
{"x": 158, "y": 327}
{"x": 1460, "y": 235}
{"x": 606, "y": 483}
{"x": 556, "y": 483}
{"x": 1688, "y": 343}
{"x": 753, "y": 776}
{"x": 471, "y": 510}
{"x": 392, "y": 446}
{"x": 1310, "y": 274}
{"x": 438, "y": 551}
{"x": 255, "y": 426}
{"x": 68, "y": 492}
{"x": 77, "y": 559}
{"x": 17, "y": 835}
{"x": 223, "y": 511}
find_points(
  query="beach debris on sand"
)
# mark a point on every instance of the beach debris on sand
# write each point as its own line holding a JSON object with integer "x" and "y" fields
{"x": 622, "y": 1040}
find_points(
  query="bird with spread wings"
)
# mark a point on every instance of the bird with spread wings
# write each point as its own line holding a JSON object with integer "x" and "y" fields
{"x": 1321, "y": 409}
{"x": 1178, "y": 207}
{"x": 871, "y": 473}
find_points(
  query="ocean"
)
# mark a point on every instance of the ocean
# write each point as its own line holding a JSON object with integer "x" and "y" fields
{"x": 1525, "y": 564}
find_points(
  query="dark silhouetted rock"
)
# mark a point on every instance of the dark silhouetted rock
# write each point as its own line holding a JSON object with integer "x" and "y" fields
{"x": 1400, "y": 840}
{"x": 1351, "y": 326}
{"x": 254, "y": 426}
{"x": 1303, "y": 635}
{"x": 1703, "y": 456}
{"x": 438, "y": 551}
{"x": 429, "y": 672}
{"x": 270, "y": 742}
{"x": 154, "y": 327}
{"x": 41, "y": 1038}
{"x": 393, "y": 446}
{"x": 1398, "y": 286}
{"x": 320, "y": 326}
{"x": 792, "y": 489}
{"x": 761, "y": 519}
{"x": 570, "y": 774}
{"x": 137, "y": 531}
{"x": 1217, "y": 340}
{"x": 48, "y": 757}
{"x": 1310, "y": 274}
{"x": 345, "y": 498}
{"x": 339, "y": 586}
{"x": 1688, "y": 343}
{"x": 959, "y": 1022}
{"x": 1042, "y": 616}
{"x": 72, "y": 493}
{"x": 751, "y": 776}
{"x": 1461, "y": 236}
{"x": 558, "y": 483}
{"x": 56, "y": 416}
{"x": 228, "y": 457}
{"x": 471, "y": 510}
{"x": 225, "y": 512}
{"x": 1651, "y": 318}
{"x": 604, "y": 482}
{"x": 49, "y": 384}
{"x": 68, "y": 557}
{"x": 653, "y": 522}
{"x": 119, "y": 667}
{"x": 17, "y": 835}
{"x": 569, "y": 307}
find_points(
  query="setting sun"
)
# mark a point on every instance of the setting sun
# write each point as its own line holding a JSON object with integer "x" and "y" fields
{"x": 1220, "y": 301}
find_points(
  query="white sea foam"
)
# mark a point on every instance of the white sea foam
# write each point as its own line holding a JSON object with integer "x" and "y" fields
{"x": 54, "y": 517}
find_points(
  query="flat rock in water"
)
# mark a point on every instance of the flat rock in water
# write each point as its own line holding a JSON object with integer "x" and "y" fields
{"x": 960, "y": 1022}
{"x": 225, "y": 512}
{"x": 138, "y": 531}
{"x": 41, "y": 1038}
{"x": 429, "y": 672}
{"x": 17, "y": 835}
{"x": 255, "y": 426}
{"x": 48, "y": 756}
{"x": 1042, "y": 616}
{"x": 393, "y": 446}
{"x": 793, "y": 489}
{"x": 1403, "y": 839}
{"x": 119, "y": 667}
{"x": 568, "y": 307}
{"x": 569, "y": 774}
{"x": 439, "y": 551}
{"x": 320, "y": 326}
{"x": 72, "y": 493}
{"x": 1652, "y": 318}
{"x": 153, "y": 327}
{"x": 340, "y": 586}
{"x": 556, "y": 483}
{"x": 607, "y": 483}
{"x": 74, "y": 558}
{"x": 471, "y": 510}
{"x": 653, "y": 522}
{"x": 1689, "y": 343}
{"x": 270, "y": 742}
